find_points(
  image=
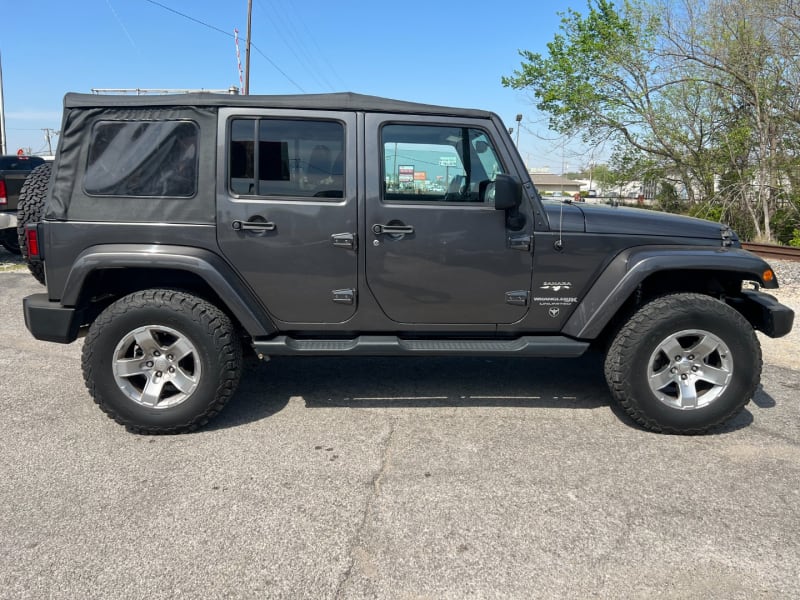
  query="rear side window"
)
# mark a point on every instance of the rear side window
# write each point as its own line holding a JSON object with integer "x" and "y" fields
{"x": 282, "y": 157}
{"x": 142, "y": 158}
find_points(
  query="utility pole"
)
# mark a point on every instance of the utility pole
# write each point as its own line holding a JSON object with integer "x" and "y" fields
{"x": 48, "y": 133}
{"x": 247, "y": 48}
{"x": 2, "y": 113}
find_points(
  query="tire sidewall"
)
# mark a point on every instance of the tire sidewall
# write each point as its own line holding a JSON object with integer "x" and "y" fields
{"x": 125, "y": 409}
{"x": 716, "y": 318}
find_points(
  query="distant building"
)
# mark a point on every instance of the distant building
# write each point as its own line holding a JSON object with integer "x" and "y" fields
{"x": 549, "y": 184}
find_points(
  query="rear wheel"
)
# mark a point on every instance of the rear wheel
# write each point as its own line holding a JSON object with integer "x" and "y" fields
{"x": 162, "y": 361}
{"x": 31, "y": 210}
{"x": 684, "y": 363}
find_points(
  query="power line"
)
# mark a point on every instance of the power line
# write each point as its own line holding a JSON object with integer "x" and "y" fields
{"x": 292, "y": 39}
{"x": 230, "y": 35}
{"x": 185, "y": 16}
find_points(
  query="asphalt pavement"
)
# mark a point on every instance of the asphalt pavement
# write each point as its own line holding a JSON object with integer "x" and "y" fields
{"x": 389, "y": 478}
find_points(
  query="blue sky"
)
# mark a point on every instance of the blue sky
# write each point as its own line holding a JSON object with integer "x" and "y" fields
{"x": 451, "y": 53}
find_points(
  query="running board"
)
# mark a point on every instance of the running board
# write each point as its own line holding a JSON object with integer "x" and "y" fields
{"x": 387, "y": 345}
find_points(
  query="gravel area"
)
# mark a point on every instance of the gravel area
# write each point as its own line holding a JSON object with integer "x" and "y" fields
{"x": 10, "y": 262}
{"x": 788, "y": 272}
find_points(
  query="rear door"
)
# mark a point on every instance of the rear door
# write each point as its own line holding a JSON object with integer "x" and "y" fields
{"x": 286, "y": 203}
{"x": 437, "y": 251}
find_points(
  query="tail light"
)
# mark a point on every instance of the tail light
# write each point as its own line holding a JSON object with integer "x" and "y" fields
{"x": 32, "y": 241}
{"x": 3, "y": 195}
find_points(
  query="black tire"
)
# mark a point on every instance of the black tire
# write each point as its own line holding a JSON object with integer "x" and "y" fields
{"x": 9, "y": 240}
{"x": 31, "y": 210}
{"x": 132, "y": 375}
{"x": 711, "y": 373}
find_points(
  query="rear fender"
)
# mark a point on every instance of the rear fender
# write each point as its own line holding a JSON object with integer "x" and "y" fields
{"x": 238, "y": 298}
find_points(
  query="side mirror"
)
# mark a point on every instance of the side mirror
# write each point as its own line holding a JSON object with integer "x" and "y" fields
{"x": 507, "y": 192}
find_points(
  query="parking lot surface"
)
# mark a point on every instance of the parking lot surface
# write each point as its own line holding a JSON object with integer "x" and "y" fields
{"x": 390, "y": 478}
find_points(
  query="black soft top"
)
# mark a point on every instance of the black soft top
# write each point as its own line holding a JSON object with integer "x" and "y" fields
{"x": 339, "y": 101}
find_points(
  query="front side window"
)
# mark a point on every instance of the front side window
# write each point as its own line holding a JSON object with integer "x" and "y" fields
{"x": 437, "y": 163}
{"x": 277, "y": 157}
{"x": 142, "y": 158}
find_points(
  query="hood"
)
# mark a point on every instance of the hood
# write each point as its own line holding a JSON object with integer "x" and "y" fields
{"x": 599, "y": 218}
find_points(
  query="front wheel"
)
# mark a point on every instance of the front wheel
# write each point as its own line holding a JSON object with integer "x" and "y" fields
{"x": 684, "y": 363}
{"x": 162, "y": 361}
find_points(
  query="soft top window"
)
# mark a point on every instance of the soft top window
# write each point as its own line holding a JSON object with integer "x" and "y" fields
{"x": 142, "y": 158}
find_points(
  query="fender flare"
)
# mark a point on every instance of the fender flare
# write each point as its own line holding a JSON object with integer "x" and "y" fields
{"x": 629, "y": 268}
{"x": 212, "y": 269}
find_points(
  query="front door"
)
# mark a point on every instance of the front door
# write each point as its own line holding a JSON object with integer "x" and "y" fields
{"x": 437, "y": 251}
{"x": 287, "y": 217}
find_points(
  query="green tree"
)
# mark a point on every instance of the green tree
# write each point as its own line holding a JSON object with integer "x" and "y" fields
{"x": 701, "y": 93}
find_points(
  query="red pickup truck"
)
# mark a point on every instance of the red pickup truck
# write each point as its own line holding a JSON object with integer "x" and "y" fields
{"x": 13, "y": 172}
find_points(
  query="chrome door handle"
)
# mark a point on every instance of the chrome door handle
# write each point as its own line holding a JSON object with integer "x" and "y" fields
{"x": 253, "y": 226}
{"x": 392, "y": 229}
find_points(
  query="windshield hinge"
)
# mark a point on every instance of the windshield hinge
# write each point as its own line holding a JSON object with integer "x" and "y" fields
{"x": 520, "y": 242}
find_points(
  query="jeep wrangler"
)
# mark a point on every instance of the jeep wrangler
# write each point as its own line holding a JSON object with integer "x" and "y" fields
{"x": 175, "y": 230}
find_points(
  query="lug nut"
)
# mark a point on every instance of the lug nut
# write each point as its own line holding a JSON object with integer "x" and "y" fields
{"x": 159, "y": 373}
{"x": 149, "y": 364}
{"x": 684, "y": 376}
{"x": 156, "y": 353}
{"x": 170, "y": 357}
{"x": 172, "y": 369}
{"x": 694, "y": 369}
{"x": 673, "y": 370}
{"x": 691, "y": 357}
{"x": 677, "y": 359}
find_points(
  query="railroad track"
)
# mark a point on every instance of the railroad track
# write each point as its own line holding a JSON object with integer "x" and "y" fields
{"x": 773, "y": 251}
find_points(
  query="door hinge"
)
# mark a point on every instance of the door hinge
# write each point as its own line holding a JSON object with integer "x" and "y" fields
{"x": 520, "y": 242}
{"x": 517, "y": 298}
{"x": 348, "y": 241}
{"x": 344, "y": 296}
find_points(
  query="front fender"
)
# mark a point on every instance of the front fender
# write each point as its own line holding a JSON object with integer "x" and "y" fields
{"x": 238, "y": 298}
{"x": 624, "y": 274}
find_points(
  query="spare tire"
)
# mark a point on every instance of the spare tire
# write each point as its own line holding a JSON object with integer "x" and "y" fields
{"x": 31, "y": 210}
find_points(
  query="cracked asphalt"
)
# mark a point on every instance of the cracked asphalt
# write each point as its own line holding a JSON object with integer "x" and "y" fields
{"x": 387, "y": 478}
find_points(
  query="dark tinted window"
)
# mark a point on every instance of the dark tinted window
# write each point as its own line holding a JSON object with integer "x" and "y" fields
{"x": 276, "y": 157}
{"x": 142, "y": 158}
{"x": 20, "y": 163}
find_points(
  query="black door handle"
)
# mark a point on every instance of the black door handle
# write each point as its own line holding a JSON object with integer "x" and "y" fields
{"x": 392, "y": 229}
{"x": 253, "y": 226}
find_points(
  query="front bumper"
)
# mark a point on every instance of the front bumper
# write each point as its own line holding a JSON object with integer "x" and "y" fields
{"x": 49, "y": 321}
{"x": 764, "y": 312}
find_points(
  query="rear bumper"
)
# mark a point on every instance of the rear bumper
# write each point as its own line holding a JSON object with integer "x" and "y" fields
{"x": 49, "y": 321}
{"x": 8, "y": 220}
{"x": 765, "y": 313}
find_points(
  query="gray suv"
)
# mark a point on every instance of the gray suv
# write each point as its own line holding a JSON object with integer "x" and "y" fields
{"x": 174, "y": 231}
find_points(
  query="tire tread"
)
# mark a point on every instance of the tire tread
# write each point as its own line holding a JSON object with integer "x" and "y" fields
{"x": 209, "y": 317}
{"x": 630, "y": 336}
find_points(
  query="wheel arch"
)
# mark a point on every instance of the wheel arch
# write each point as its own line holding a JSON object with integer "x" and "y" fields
{"x": 112, "y": 271}
{"x": 640, "y": 274}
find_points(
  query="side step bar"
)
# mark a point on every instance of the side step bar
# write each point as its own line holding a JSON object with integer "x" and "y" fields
{"x": 387, "y": 345}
